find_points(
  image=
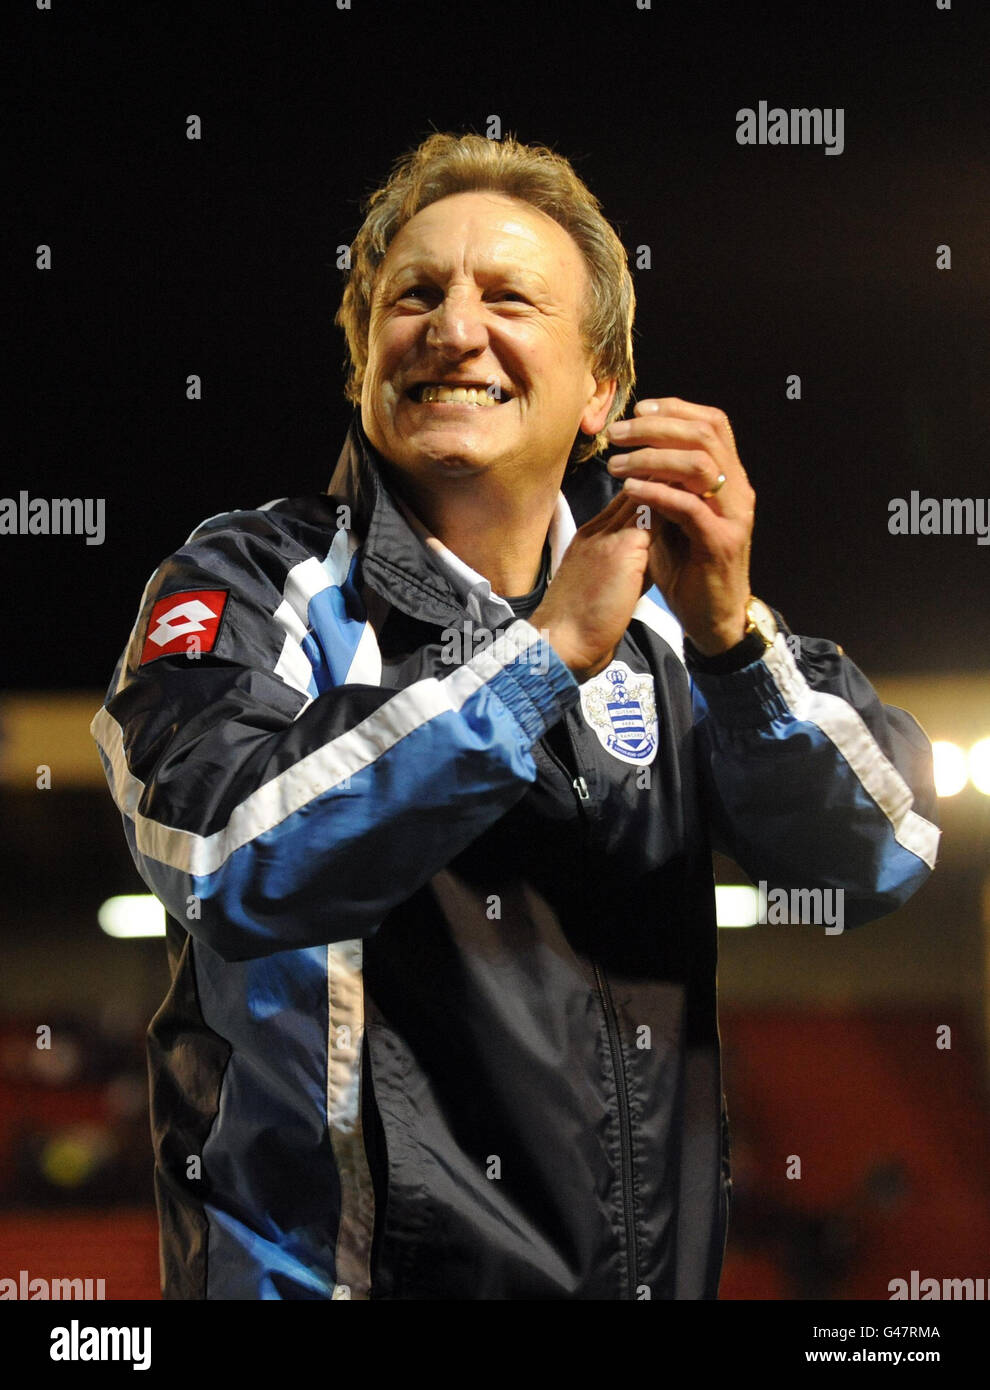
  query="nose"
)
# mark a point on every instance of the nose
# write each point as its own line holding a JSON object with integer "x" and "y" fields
{"x": 457, "y": 327}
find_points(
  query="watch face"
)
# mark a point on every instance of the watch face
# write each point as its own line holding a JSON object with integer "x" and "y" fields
{"x": 762, "y": 619}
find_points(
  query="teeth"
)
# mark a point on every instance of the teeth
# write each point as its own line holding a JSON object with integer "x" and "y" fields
{"x": 470, "y": 395}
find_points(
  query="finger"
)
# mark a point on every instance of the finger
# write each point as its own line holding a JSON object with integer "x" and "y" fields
{"x": 692, "y": 469}
{"x": 625, "y": 515}
{"x": 606, "y": 519}
{"x": 710, "y": 468}
{"x": 694, "y": 472}
{"x": 668, "y": 418}
{"x": 695, "y": 517}
{"x": 687, "y": 435}
{"x": 664, "y": 429}
{"x": 687, "y": 410}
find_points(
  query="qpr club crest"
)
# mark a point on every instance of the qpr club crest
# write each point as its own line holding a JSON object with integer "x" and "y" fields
{"x": 621, "y": 706}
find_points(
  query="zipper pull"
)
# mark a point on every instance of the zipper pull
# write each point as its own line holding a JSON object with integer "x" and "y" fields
{"x": 581, "y": 787}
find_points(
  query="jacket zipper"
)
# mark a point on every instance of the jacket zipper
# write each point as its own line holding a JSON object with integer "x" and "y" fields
{"x": 625, "y": 1124}
{"x": 580, "y": 788}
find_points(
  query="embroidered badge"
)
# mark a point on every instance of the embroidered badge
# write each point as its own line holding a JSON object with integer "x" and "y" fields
{"x": 621, "y": 706}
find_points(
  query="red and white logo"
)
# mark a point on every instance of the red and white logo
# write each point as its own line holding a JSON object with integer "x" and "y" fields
{"x": 185, "y": 623}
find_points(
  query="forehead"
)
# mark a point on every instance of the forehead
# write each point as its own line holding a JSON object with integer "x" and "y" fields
{"x": 487, "y": 230}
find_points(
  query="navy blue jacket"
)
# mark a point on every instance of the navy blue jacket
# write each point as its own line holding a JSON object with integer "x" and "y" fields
{"x": 441, "y": 922}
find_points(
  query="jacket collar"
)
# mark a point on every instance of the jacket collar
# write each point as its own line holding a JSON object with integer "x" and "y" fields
{"x": 408, "y": 566}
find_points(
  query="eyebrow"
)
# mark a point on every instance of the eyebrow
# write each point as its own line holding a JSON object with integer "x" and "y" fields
{"x": 437, "y": 271}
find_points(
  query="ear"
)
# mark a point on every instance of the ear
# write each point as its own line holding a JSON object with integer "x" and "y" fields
{"x": 599, "y": 404}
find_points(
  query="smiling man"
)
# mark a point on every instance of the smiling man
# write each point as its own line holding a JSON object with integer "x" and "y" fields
{"x": 478, "y": 376}
{"x": 441, "y": 915}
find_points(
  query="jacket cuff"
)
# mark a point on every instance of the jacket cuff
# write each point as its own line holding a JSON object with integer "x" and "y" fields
{"x": 744, "y": 653}
{"x": 533, "y": 681}
{"x": 754, "y": 697}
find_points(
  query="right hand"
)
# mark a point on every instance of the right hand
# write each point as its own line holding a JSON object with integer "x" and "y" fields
{"x": 587, "y": 607}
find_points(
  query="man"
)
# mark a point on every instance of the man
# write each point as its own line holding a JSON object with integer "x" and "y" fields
{"x": 437, "y": 861}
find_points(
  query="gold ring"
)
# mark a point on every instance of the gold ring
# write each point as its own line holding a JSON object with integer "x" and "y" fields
{"x": 719, "y": 484}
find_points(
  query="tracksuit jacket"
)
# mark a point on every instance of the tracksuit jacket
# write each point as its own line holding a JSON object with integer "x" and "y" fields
{"x": 441, "y": 922}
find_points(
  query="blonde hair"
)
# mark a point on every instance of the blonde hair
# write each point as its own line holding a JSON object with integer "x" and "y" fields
{"x": 446, "y": 164}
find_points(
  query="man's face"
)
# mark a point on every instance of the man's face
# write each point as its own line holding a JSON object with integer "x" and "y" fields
{"x": 480, "y": 291}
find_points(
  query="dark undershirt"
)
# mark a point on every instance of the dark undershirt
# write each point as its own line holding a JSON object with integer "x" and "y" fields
{"x": 525, "y": 604}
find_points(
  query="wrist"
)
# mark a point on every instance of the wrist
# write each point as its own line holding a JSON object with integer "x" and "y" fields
{"x": 722, "y": 635}
{"x": 558, "y": 635}
{"x": 758, "y": 634}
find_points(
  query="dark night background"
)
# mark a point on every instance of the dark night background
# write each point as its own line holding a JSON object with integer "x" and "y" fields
{"x": 217, "y": 257}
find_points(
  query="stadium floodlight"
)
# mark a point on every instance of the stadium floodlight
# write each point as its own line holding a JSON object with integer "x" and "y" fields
{"x": 132, "y": 915}
{"x": 951, "y": 772}
{"x": 979, "y": 766}
{"x": 737, "y": 904}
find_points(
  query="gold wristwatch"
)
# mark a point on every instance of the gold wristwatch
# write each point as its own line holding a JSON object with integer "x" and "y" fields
{"x": 760, "y": 619}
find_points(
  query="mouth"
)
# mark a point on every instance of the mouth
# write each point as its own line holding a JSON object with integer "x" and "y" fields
{"x": 479, "y": 394}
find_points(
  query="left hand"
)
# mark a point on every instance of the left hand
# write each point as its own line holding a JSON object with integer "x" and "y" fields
{"x": 699, "y": 554}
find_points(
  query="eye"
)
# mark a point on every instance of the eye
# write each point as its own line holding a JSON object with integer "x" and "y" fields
{"x": 508, "y": 297}
{"x": 421, "y": 293}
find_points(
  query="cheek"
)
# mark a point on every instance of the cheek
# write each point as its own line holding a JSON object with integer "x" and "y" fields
{"x": 530, "y": 358}
{"x": 387, "y": 343}
{"x": 558, "y": 354}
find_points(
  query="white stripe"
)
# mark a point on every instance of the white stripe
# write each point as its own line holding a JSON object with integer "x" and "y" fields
{"x": 290, "y": 621}
{"x": 338, "y": 557}
{"x": 313, "y": 775}
{"x": 294, "y": 669}
{"x": 125, "y": 788}
{"x": 661, "y": 622}
{"x": 366, "y": 664}
{"x": 844, "y": 727}
{"x": 311, "y": 576}
{"x": 345, "y": 1043}
{"x": 302, "y": 583}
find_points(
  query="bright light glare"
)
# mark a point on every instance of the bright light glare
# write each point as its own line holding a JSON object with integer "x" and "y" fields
{"x": 950, "y": 768}
{"x": 736, "y": 904}
{"x": 979, "y": 766}
{"x": 132, "y": 915}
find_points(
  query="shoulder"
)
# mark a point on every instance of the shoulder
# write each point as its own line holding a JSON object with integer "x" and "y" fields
{"x": 242, "y": 582}
{"x": 309, "y": 519}
{"x": 267, "y": 541}
{"x": 252, "y": 553}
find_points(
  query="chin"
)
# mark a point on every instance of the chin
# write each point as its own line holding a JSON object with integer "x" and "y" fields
{"x": 452, "y": 453}
{"x": 454, "y": 460}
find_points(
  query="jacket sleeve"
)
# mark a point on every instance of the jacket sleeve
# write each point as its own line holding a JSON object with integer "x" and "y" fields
{"x": 268, "y": 814}
{"x": 812, "y": 782}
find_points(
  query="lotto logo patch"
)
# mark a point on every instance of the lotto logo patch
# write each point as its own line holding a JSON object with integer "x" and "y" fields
{"x": 184, "y": 623}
